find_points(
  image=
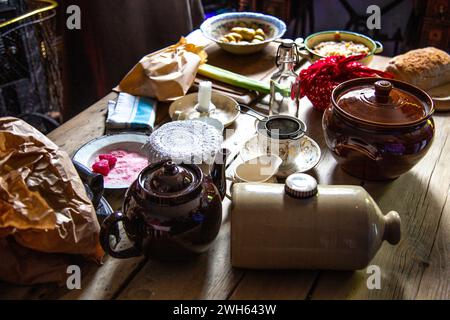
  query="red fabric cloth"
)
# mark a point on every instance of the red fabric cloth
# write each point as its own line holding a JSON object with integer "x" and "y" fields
{"x": 319, "y": 80}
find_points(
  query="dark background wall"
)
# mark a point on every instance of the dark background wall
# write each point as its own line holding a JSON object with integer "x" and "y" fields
{"x": 330, "y": 14}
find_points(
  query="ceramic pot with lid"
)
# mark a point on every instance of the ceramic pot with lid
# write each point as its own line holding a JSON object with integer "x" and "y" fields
{"x": 378, "y": 129}
{"x": 302, "y": 225}
{"x": 171, "y": 212}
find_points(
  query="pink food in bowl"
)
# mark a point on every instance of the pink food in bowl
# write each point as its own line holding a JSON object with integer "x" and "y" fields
{"x": 125, "y": 166}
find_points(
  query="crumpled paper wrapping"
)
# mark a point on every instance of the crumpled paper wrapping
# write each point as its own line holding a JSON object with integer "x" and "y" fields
{"x": 25, "y": 266}
{"x": 166, "y": 74}
{"x": 44, "y": 208}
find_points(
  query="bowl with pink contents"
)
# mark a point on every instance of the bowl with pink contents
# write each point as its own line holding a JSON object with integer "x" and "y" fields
{"x": 118, "y": 157}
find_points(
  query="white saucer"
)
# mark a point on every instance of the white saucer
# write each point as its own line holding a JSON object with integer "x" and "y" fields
{"x": 227, "y": 109}
{"x": 308, "y": 157}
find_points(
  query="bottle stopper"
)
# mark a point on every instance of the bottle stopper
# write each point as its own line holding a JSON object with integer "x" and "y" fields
{"x": 301, "y": 186}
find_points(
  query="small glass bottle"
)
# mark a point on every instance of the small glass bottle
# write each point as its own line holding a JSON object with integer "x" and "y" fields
{"x": 282, "y": 81}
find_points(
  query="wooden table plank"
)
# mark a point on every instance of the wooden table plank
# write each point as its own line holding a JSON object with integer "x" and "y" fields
{"x": 435, "y": 283}
{"x": 275, "y": 285}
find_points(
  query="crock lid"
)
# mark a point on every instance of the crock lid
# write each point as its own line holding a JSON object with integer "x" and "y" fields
{"x": 384, "y": 102}
{"x": 167, "y": 180}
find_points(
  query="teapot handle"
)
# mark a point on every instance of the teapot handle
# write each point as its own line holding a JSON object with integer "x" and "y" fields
{"x": 108, "y": 227}
{"x": 228, "y": 195}
{"x": 218, "y": 171}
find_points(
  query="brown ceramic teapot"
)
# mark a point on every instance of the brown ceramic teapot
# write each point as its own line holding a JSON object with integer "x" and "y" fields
{"x": 171, "y": 211}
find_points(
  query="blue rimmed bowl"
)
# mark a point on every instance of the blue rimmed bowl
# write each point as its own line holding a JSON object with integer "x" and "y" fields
{"x": 216, "y": 27}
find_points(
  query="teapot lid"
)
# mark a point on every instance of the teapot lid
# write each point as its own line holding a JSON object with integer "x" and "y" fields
{"x": 168, "y": 180}
{"x": 383, "y": 102}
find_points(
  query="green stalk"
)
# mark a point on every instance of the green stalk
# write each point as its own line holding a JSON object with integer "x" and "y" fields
{"x": 233, "y": 79}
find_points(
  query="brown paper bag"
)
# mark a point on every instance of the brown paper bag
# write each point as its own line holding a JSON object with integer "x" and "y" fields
{"x": 25, "y": 266}
{"x": 43, "y": 204}
{"x": 166, "y": 74}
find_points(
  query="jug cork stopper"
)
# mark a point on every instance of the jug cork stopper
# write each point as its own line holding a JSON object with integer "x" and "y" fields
{"x": 301, "y": 186}
{"x": 392, "y": 228}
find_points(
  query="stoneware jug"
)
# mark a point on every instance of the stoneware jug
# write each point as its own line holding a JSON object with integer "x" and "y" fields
{"x": 171, "y": 212}
{"x": 302, "y": 225}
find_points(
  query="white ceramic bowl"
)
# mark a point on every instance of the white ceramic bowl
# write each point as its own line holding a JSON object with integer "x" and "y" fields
{"x": 131, "y": 142}
{"x": 216, "y": 27}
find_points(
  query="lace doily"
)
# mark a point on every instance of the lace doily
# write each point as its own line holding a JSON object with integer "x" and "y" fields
{"x": 190, "y": 142}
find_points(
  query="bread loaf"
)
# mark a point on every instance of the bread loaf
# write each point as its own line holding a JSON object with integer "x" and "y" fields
{"x": 425, "y": 68}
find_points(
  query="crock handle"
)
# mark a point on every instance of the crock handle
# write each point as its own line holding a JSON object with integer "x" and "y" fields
{"x": 108, "y": 227}
{"x": 378, "y": 47}
{"x": 352, "y": 145}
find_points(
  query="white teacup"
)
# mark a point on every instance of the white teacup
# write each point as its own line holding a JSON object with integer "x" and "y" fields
{"x": 261, "y": 169}
{"x": 281, "y": 136}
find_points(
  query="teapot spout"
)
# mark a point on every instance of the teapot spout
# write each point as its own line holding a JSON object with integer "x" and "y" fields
{"x": 218, "y": 171}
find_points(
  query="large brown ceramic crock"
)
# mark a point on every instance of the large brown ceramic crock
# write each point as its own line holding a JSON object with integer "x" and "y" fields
{"x": 378, "y": 129}
{"x": 172, "y": 211}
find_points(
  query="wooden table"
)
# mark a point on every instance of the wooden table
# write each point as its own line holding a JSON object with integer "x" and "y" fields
{"x": 417, "y": 268}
